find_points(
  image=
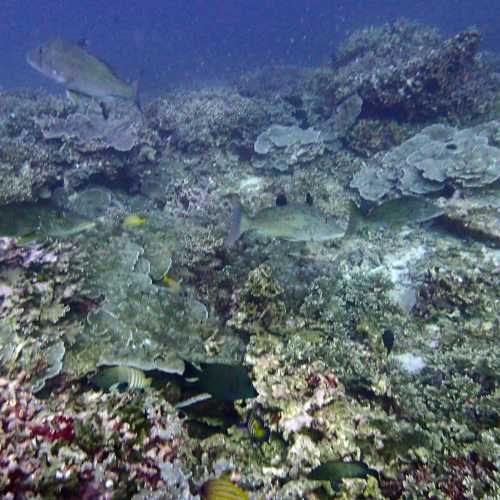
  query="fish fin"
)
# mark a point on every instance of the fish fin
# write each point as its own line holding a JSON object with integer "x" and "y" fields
{"x": 121, "y": 387}
{"x": 355, "y": 219}
{"x": 191, "y": 401}
{"x": 104, "y": 109}
{"x": 235, "y": 231}
{"x": 73, "y": 96}
{"x": 137, "y": 99}
{"x": 118, "y": 387}
{"x": 309, "y": 199}
{"x": 281, "y": 200}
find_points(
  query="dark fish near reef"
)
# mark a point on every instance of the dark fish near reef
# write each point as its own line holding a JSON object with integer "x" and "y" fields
{"x": 219, "y": 489}
{"x": 79, "y": 71}
{"x": 121, "y": 377}
{"x": 336, "y": 470}
{"x": 388, "y": 340}
{"x": 292, "y": 222}
{"x": 218, "y": 380}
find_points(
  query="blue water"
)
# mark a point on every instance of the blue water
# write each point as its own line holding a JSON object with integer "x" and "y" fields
{"x": 187, "y": 42}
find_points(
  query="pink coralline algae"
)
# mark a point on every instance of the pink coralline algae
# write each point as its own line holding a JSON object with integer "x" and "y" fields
{"x": 60, "y": 427}
{"x": 106, "y": 445}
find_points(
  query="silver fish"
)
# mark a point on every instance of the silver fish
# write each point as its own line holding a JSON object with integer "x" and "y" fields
{"x": 79, "y": 71}
{"x": 292, "y": 222}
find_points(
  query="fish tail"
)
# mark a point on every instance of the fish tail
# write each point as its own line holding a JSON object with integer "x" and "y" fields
{"x": 137, "y": 98}
{"x": 235, "y": 224}
{"x": 354, "y": 219}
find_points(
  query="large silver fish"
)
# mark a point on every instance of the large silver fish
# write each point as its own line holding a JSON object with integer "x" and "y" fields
{"x": 292, "y": 222}
{"x": 79, "y": 71}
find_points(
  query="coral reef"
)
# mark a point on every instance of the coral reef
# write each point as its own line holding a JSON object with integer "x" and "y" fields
{"x": 405, "y": 70}
{"x": 290, "y": 145}
{"x": 41, "y": 297}
{"x": 282, "y": 147}
{"x": 270, "y": 81}
{"x": 197, "y": 121}
{"x": 475, "y": 216}
{"x": 90, "y": 132}
{"x": 378, "y": 350}
{"x": 97, "y": 446}
{"x": 47, "y": 142}
{"x": 438, "y": 158}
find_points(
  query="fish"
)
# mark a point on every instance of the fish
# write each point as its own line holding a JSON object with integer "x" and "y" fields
{"x": 404, "y": 211}
{"x": 173, "y": 285}
{"x": 224, "y": 382}
{"x": 29, "y": 222}
{"x": 80, "y": 72}
{"x": 259, "y": 432}
{"x": 220, "y": 381}
{"x": 388, "y": 340}
{"x": 66, "y": 228}
{"x": 336, "y": 470}
{"x": 292, "y": 222}
{"x": 133, "y": 220}
{"x": 121, "y": 377}
{"x": 219, "y": 489}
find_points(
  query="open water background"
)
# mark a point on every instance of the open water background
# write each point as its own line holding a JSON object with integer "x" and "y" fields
{"x": 167, "y": 43}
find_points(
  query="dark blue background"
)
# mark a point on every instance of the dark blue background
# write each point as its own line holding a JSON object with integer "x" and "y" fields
{"x": 172, "y": 42}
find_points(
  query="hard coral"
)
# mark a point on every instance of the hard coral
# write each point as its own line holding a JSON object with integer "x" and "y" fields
{"x": 438, "y": 158}
{"x": 39, "y": 285}
{"x": 400, "y": 69}
{"x": 200, "y": 120}
{"x": 45, "y": 142}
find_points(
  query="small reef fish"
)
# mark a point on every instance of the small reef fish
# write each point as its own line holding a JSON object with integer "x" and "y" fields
{"x": 79, "y": 71}
{"x": 336, "y": 470}
{"x": 259, "y": 432}
{"x": 122, "y": 377}
{"x": 222, "y": 489}
{"x": 173, "y": 285}
{"x": 292, "y": 222}
{"x": 388, "y": 340}
{"x": 133, "y": 220}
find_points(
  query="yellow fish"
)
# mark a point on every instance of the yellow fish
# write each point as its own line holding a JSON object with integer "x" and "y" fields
{"x": 222, "y": 489}
{"x": 133, "y": 220}
{"x": 257, "y": 429}
{"x": 170, "y": 283}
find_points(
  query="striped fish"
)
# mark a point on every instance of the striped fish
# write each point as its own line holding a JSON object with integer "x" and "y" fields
{"x": 222, "y": 489}
{"x": 259, "y": 432}
{"x": 121, "y": 377}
